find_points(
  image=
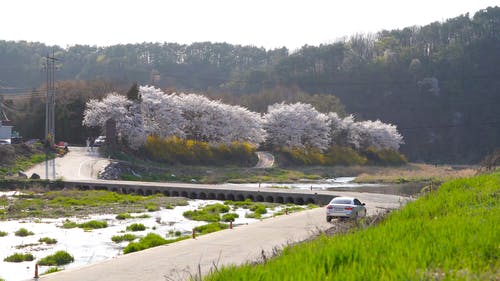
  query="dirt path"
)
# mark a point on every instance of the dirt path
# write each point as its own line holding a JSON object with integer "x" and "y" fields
{"x": 77, "y": 164}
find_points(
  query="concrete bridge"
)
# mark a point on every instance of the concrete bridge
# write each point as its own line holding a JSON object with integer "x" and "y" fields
{"x": 206, "y": 191}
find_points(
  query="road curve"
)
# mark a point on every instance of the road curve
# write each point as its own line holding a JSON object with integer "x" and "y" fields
{"x": 266, "y": 160}
{"x": 78, "y": 164}
{"x": 185, "y": 259}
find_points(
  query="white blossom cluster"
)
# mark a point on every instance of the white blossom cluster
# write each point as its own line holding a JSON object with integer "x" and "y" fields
{"x": 188, "y": 116}
{"x": 196, "y": 117}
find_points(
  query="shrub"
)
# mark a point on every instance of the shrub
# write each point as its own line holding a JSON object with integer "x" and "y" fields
{"x": 152, "y": 207}
{"x": 3, "y": 233}
{"x": 136, "y": 227}
{"x": 175, "y": 150}
{"x": 23, "y": 232}
{"x": 230, "y": 217}
{"x": 216, "y": 208}
{"x": 69, "y": 224}
{"x": 93, "y": 224}
{"x": 125, "y": 237}
{"x": 148, "y": 241}
{"x": 259, "y": 209}
{"x": 18, "y": 257}
{"x": 58, "y": 258}
{"x": 210, "y": 213}
{"x": 211, "y": 227}
{"x": 47, "y": 240}
{"x": 341, "y": 155}
{"x": 201, "y": 215}
{"x": 386, "y": 157}
{"x": 123, "y": 216}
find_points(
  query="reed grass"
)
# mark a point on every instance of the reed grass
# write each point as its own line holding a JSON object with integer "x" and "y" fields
{"x": 449, "y": 234}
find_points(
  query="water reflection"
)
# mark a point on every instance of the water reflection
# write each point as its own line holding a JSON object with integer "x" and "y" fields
{"x": 344, "y": 184}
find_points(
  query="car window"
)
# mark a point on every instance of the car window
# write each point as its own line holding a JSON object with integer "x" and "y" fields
{"x": 357, "y": 202}
{"x": 341, "y": 201}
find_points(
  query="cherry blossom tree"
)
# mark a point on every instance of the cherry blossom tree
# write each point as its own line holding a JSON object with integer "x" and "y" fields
{"x": 296, "y": 125}
{"x": 185, "y": 116}
{"x": 161, "y": 113}
{"x": 215, "y": 122}
{"x": 379, "y": 135}
{"x": 113, "y": 106}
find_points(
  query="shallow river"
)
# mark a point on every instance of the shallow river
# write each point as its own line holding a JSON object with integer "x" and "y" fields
{"x": 91, "y": 246}
{"x": 346, "y": 184}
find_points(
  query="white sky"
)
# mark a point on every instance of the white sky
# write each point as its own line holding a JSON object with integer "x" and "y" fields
{"x": 266, "y": 23}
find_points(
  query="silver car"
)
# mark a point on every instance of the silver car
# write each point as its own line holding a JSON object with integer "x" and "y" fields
{"x": 345, "y": 207}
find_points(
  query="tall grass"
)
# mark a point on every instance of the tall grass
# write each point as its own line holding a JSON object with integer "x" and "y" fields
{"x": 451, "y": 234}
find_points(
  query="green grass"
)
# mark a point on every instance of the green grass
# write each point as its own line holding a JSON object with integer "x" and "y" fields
{"x": 23, "y": 232}
{"x": 3, "y": 233}
{"x": 47, "y": 240}
{"x": 23, "y": 163}
{"x": 66, "y": 203}
{"x": 58, "y": 258}
{"x": 52, "y": 270}
{"x": 136, "y": 227}
{"x": 211, "y": 227}
{"x": 125, "y": 237}
{"x": 451, "y": 234}
{"x": 19, "y": 257}
{"x": 229, "y": 217}
{"x": 209, "y": 213}
{"x": 93, "y": 224}
{"x": 123, "y": 216}
{"x": 149, "y": 241}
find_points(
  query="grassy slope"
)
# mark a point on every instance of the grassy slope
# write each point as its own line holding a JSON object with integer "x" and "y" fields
{"x": 451, "y": 234}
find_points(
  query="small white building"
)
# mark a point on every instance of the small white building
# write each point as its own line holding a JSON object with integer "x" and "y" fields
{"x": 5, "y": 132}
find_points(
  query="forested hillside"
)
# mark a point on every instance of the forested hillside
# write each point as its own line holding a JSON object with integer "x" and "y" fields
{"x": 438, "y": 83}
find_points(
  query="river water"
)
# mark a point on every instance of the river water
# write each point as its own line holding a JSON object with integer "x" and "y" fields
{"x": 89, "y": 247}
{"x": 345, "y": 184}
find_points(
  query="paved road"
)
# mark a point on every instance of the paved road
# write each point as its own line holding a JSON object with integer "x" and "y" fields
{"x": 77, "y": 164}
{"x": 185, "y": 259}
{"x": 182, "y": 260}
{"x": 266, "y": 160}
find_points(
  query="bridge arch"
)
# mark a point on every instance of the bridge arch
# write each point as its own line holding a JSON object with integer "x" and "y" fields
{"x": 280, "y": 200}
{"x": 230, "y": 196}
{"x": 289, "y": 200}
{"x": 240, "y": 197}
{"x": 299, "y": 201}
{"x": 184, "y": 194}
{"x": 259, "y": 198}
{"x": 203, "y": 195}
{"x": 269, "y": 199}
{"x": 175, "y": 193}
{"x": 193, "y": 195}
{"x": 211, "y": 196}
{"x": 221, "y": 196}
{"x": 166, "y": 192}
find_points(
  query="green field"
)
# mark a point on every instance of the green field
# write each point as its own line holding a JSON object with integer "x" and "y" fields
{"x": 450, "y": 234}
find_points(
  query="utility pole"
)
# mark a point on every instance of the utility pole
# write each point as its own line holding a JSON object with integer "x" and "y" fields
{"x": 50, "y": 105}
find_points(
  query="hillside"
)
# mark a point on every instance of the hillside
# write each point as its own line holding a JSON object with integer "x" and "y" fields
{"x": 437, "y": 82}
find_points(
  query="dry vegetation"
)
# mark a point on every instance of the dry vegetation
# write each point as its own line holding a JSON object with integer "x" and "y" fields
{"x": 415, "y": 173}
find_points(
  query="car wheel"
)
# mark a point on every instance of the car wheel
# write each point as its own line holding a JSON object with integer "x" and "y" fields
{"x": 328, "y": 219}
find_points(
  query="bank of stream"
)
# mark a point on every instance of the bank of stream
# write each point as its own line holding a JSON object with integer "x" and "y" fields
{"x": 91, "y": 246}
